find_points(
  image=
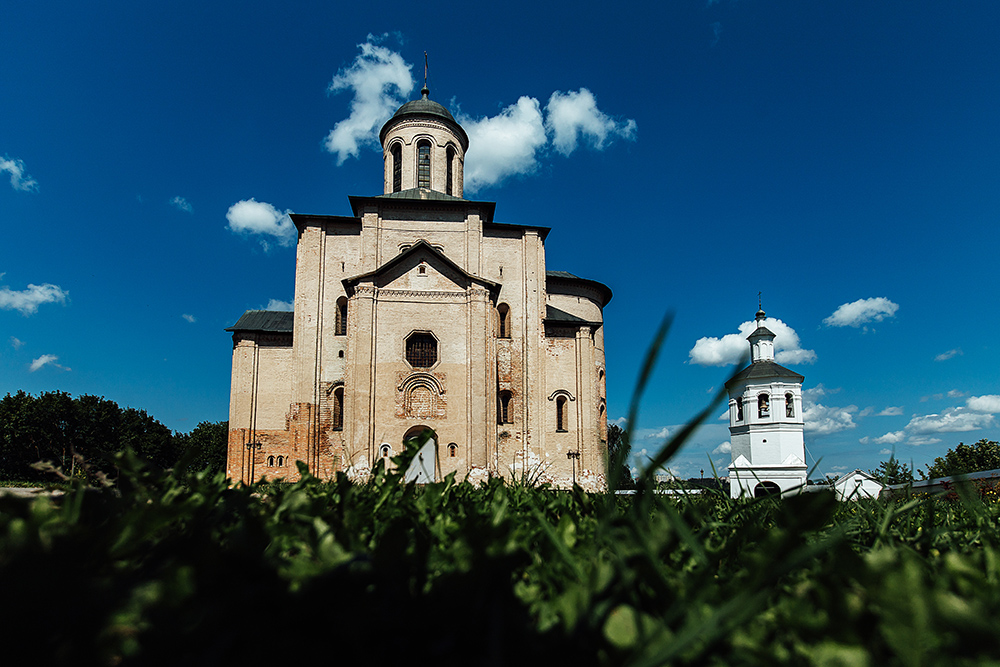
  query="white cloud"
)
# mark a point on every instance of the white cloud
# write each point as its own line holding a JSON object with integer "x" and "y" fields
{"x": 27, "y": 301}
{"x": 812, "y": 393}
{"x": 922, "y": 440}
{"x": 886, "y": 452}
{"x": 16, "y": 343}
{"x": 19, "y": 180}
{"x": 862, "y": 311}
{"x": 380, "y": 80}
{"x": 891, "y": 411}
{"x": 956, "y": 393}
{"x": 890, "y": 438}
{"x": 621, "y": 421}
{"x": 711, "y": 351}
{"x": 275, "y": 304}
{"x": 574, "y": 115}
{"x": 864, "y": 440}
{"x": 723, "y": 448}
{"x": 989, "y": 403}
{"x": 503, "y": 145}
{"x": 46, "y": 360}
{"x": 190, "y": 318}
{"x": 250, "y": 216}
{"x": 945, "y": 356}
{"x": 953, "y": 420}
{"x": 823, "y": 420}
{"x": 182, "y": 204}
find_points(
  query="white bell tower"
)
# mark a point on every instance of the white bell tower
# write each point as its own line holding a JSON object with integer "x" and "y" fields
{"x": 765, "y": 422}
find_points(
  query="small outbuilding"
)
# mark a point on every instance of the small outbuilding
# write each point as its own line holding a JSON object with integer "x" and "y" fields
{"x": 856, "y": 485}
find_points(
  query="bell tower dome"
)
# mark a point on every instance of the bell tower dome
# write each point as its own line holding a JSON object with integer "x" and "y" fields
{"x": 423, "y": 146}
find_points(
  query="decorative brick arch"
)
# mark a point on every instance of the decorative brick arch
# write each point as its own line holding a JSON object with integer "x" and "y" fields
{"x": 423, "y": 396}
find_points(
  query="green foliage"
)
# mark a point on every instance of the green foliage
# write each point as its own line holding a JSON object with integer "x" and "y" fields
{"x": 182, "y": 567}
{"x": 81, "y": 435}
{"x": 983, "y": 455}
{"x": 619, "y": 449}
{"x": 893, "y": 472}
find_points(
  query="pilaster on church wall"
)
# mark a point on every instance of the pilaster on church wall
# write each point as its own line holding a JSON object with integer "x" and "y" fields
{"x": 534, "y": 338}
{"x": 308, "y": 276}
{"x": 359, "y": 446}
{"x": 481, "y": 411}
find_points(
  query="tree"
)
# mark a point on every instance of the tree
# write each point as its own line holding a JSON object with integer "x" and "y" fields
{"x": 893, "y": 472}
{"x": 619, "y": 449}
{"x": 205, "y": 446}
{"x": 983, "y": 455}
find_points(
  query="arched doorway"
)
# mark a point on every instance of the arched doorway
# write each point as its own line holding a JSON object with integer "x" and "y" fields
{"x": 417, "y": 432}
{"x": 765, "y": 489}
{"x": 424, "y": 466}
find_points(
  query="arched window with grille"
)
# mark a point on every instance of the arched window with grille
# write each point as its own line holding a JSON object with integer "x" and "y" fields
{"x": 337, "y": 418}
{"x": 397, "y": 167}
{"x": 424, "y": 164}
{"x": 503, "y": 321}
{"x": 281, "y": 461}
{"x": 340, "y": 328}
{"x": 270, "y": 461}
{"x": 452, "y": 450}
{"x": 561, "y": 414}
{"x": 503, "y": 414}
{"x": 450, "y": 178}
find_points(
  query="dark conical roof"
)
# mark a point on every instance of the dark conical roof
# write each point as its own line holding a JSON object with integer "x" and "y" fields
{"x": 426, "y": 108}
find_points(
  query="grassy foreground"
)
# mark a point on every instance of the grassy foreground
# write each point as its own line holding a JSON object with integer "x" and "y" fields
{"x": 182, "y": 568}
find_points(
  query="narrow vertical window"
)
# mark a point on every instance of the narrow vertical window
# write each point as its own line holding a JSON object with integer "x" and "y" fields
{"x": 424, "y": 164}
{"x": 449, "y": 180}
{"x": 281, "y": 460}
{"x": 340, "y": 326}
{"x": 503, "y": 414}
{"x": 270, "y": 461}
{"x": 452, "y": 450}
{"x": 739, "y": 409}
{"x": 789, "y": 405}
{"x": 561, "y": 414}
{"x": 763, "y": 406}
{"x": 338, "y": 409}
{"x": 503, "y": 321}
{"x": 397, "y": 167}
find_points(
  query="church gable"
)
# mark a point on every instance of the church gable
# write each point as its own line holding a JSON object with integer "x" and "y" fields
{"x": 420, "y": 268}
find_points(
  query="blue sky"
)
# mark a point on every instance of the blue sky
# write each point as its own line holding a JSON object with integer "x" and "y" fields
{"x": 839, "y": 156}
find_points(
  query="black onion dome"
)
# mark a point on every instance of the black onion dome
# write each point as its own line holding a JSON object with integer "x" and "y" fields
{"x": 425, "y": 108}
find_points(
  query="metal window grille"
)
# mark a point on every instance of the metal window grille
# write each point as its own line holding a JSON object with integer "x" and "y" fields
{"x": 397, "y": 168}
{"x": 424, "y": 165}
{"x": 449, "y": 188}
{"x": 421, "y": 350}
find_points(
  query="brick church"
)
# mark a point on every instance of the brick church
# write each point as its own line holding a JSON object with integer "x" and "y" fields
{"x": 421, "y": 311}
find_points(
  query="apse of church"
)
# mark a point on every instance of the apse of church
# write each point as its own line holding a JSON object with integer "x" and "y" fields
{"x": 418, "y": 311}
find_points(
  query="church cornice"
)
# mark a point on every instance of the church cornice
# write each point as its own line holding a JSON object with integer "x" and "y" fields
{"x": 432, "y": 202}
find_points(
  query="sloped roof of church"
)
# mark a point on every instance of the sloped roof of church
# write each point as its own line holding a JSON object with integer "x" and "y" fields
{"x": 566, "y": 276}
{"x": 553, "y": 314}
{"x": 420, "y": 193}
{"x": 349, "y": 283}
{"x": 760, "y": 370}
{"x": 273, "y": 321}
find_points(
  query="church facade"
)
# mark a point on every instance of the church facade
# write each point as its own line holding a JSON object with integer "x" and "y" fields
{"x": 421, "y": 311}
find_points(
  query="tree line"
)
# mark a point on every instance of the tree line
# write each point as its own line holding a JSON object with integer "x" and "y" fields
{"x": 81, "y": 436}
{"x": 961, "y": 460}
